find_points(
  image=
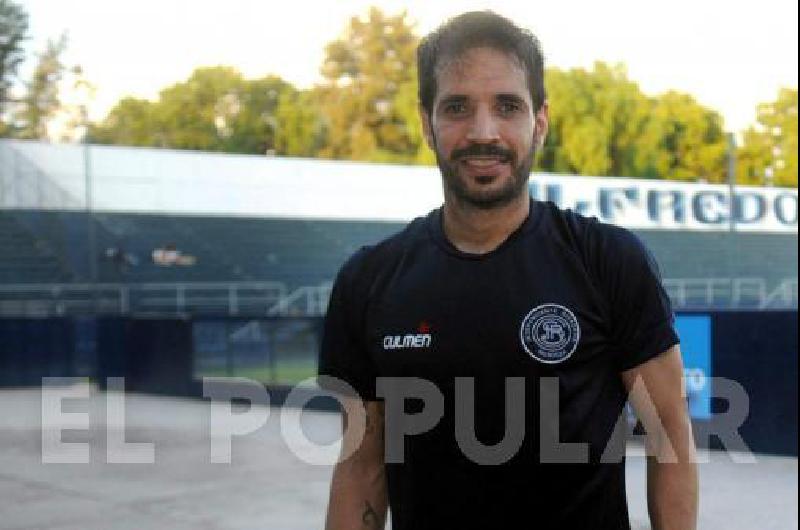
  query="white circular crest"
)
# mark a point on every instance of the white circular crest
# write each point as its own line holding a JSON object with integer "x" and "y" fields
{"x": 550, "y": 333}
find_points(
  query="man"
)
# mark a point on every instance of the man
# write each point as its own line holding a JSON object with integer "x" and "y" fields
{"x": 517, "y": 314}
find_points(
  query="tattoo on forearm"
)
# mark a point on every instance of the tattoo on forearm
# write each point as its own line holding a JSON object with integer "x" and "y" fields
{"x": 370, "y": 517}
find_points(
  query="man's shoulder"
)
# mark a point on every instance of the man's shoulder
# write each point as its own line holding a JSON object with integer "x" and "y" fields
{"x": 587, "y": 232}
{"x": 603, "y": 248}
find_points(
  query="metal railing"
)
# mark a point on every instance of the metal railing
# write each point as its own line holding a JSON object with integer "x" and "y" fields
{"x": 731, "y": 293}
{"x": 191, "y": 298}
{"x": 276, "y": 299}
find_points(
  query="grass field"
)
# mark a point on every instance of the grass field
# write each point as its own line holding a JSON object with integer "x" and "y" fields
{"x": 285, "y": 372}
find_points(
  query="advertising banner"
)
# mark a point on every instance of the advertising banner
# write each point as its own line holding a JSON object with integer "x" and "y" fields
{"x": 695, "y": 334}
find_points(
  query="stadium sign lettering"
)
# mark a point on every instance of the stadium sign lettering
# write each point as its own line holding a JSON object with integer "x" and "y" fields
{"x": 665, "y": 205}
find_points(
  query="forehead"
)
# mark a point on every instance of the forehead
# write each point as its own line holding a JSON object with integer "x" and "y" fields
{"x": 479, "y": 71}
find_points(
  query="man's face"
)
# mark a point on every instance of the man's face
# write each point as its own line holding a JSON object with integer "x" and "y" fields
{"x": 483, "y": 127}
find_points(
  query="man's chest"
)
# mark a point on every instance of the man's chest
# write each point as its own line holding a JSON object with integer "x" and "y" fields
{"x": 523, "y": 314}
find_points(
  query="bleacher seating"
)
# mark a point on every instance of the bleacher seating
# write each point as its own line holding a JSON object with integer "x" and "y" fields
{"x": 723, "y": 254}
{"x": 52, "y": 246}
{"x": 295, "y": 252}
{"x": 26, "y": 257}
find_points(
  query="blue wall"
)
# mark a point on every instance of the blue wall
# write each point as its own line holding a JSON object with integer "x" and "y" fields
{"x": 756, "y": 349}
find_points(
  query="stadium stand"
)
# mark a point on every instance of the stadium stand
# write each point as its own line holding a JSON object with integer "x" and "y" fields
{"x": 166, "y": 267}
{"x": 25, "y": 257}
{"x": 295, "y": 252}
{"x": 50, "y": 239}
{"x": 51, "y": 246}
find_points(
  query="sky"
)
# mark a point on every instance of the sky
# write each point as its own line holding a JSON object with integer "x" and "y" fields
{"x": 729, "y": 55}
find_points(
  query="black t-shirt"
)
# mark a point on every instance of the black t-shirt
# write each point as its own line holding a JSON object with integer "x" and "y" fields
{"x": 563, "y": 299}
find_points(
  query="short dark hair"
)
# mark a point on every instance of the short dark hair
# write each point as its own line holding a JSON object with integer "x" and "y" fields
{"x": 473, "y": 30}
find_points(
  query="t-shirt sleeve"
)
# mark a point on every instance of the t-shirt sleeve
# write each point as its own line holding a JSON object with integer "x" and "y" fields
{"x": 642, "y": 320}
{"x": 343, "y": 354}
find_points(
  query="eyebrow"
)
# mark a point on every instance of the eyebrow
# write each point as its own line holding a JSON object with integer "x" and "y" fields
{"x": 510, "y": 98}
{"x": 502, "y": 97}
{"x": 455, "y": 98}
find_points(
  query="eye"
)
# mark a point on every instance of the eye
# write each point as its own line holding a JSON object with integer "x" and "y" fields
{"x": 455, "y": 107}
{"x": 508, "y": 107}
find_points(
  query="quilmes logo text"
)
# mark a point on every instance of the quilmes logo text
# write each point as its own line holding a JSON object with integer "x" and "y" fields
{"x": 421, "y": 339}
{"x": 398, "y": 342}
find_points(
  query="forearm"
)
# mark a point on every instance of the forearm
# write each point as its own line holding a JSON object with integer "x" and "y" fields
{"x": 672, "y": 490}
{"x": 358, "y": 498}
{"x": 656, "y": 390}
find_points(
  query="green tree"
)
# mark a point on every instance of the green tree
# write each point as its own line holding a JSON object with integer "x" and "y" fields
{"x": 132, "y": 121}
{"x": 364, "y": 72}
{"x": 254, "y": 127}
{"x": 13, "y": 32}
{"x": 301, "y": 129}
{"x": 406, "y": 104}
{"x": 683, "y": 140}
{"x": 596, "y": 118}
{"x": 602, "y": 124}
{"x": 199, "y": 112}
{"x": 768, "y": 154}
{"x": 41, "y": 101}
{"x": 216, "y": 109}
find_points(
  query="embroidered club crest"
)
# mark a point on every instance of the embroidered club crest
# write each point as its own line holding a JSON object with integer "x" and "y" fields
{"x": 550, "y": 333}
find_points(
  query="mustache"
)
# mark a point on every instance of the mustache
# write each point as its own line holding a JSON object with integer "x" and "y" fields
{"x": 482, "y": 150}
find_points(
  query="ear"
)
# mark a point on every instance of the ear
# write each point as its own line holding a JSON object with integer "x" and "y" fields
{"x": 541, "y": 120}
{"x": 427, "y": 128}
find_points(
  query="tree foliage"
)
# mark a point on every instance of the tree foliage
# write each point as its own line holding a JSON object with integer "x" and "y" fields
{"x": 41, "y": 101}
{"x": 216, "y": 109}
{"x": 601, "y": 123}
{"x": 769, "y": 151}
{"x": 13, "y": 32}
{"x": 301, "y": 128}
{"x": 596, "y": 118}
{"x": 368, "y": 72}
{"x": 132, "y": 121}
{"x": 682, "y": 141}
{"x": 39, "y": 110}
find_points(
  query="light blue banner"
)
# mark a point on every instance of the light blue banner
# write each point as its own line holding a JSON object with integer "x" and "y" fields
{"x": 695, "y": 334}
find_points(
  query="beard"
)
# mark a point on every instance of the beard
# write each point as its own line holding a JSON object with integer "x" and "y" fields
{"x": 512, "y": 189}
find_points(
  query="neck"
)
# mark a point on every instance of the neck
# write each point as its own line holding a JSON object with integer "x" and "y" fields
{"x": 478, "y": 231}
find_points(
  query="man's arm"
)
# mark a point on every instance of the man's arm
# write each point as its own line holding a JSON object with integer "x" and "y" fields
{"x": 358, "y": 498}
{"x": 656, "y": 392}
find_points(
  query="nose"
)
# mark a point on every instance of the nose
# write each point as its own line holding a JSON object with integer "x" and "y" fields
{"x": 483, "y": 127}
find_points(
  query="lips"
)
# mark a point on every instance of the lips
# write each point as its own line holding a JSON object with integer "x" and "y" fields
{"x": 484, "y": 165}
{"x": 482, "y": 161}
{"x": 483, "y": 169}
